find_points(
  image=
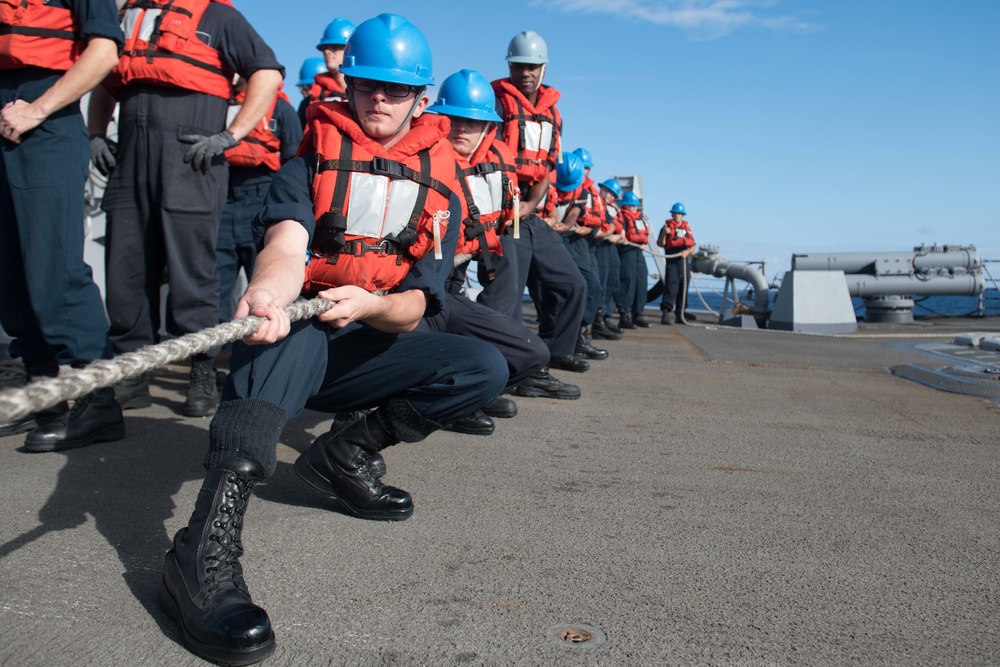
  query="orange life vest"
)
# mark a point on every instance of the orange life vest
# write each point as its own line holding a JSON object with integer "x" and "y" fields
{"x": 565, "y": 201}
{"x": 593, "y": 212}
{"x": 532, "y": 132}
{"x": 33, "y": 34}
{"x": 636, "y": 229}
{"x": 488, "y": 188}
{"x": 397, "y": 194}
{"x": 326, "y": 88}
{"x": 612, "y": 220}
{"x": 262, "y": 147}
{"x": 162, "y": 48}
{"x": 678, "y": 235}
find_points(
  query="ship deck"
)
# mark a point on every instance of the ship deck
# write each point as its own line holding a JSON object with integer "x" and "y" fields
{"x": 716, "y": 497}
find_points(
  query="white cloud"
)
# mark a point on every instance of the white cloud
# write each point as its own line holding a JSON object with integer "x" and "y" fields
{"x": 705, "y": 19}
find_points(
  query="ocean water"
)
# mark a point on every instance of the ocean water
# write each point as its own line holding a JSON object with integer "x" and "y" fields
{"x": 928, "y": 306}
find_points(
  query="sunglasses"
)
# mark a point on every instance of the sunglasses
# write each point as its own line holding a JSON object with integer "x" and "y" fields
{"x": 390, "y": 89}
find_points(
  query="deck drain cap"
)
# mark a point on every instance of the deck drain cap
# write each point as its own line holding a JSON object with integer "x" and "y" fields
{"x": 577, "y": 635}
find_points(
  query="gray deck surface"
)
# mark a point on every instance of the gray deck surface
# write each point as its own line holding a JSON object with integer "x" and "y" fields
{"x": 715, "y": 498}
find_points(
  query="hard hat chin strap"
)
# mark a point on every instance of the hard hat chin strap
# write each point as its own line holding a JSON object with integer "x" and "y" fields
{"x": 409, "y": 115}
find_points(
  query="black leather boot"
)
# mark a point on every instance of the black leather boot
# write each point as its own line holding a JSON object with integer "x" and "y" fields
{"x": 337, "y": 464}
{"x": 543, "y": 385}
{"x": 501, "y": 407}
{"x": 640, "y": 321}
{"x": 33, "y": 420}
{"x": 584, "y": 348}
{"x": 570, "y": 363}
{"x": 625, "y": 321}
{"x": 94, "y": 417}
{"x": 609, "y": 323}
{"x": 600, "y": 330}
{"x": 44, "y": 417}
{"x": 203, "y": 392}
{"x": 203, "y": 587}
{"x": 478, "y": 423}
{"x": 667, "y": 318}
{"x": 133, "y": 393}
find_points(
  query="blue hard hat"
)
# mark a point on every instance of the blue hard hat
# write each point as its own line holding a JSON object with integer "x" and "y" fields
{"x": 388, "y": 48}
{"x": 336, "y": 33}
{"x": 614, "y": 186}
{"x": 310, "y": 68}
{"x": 678, "y": 208}
{"x": 585, "y": 156}
{"x": 629, "y": 199}
{"x": 466, "y": 94}
{"x": 569, "y": 172}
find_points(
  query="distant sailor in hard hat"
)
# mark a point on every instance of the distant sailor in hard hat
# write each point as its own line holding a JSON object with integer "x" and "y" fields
{"x": 593, "y": 219}
{"x": 370, "y": 200}
{"x": 330, "y": 85}
{"x": 604, "y": 245}
{"x": 487, "y": 186}
{"x": 531, "y": 129}
{"x": 676, "y": 239}
{"x": 632, "y": 295}
{"x": 571, "y": 214}
{"x": 310, "y": 69}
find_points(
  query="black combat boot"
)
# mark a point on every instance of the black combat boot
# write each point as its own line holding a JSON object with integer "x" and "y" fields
{"x": 203, "y": 587}
{"x": 625, "y": 321}
{"x": 571, "y": 363}
{"x": 667, "y": 318}
{"x": 337, "y": 463}
{"x": 478, "y": 423}
{"x": 340, "y": 419}
{"x": 609, "y": 323}
{"x": 543, "y": 385}
{"x": 640, "y": 321}
{"x": 203, "y": 390}
{"x": 501, "y": 407}
{"x": 600, "y": 330}
{"x": 133, "y": 393}
{"x": 94, "y": 417}
{"x": 585, "y": 348}
{"x": 43, "y": 417}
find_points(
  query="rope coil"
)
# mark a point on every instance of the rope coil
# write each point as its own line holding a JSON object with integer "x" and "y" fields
{"x": 74, "y": 383}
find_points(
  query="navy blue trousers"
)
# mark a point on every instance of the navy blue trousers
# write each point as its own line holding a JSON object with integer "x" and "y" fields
{"x": 524, "y": 352}
{"x": 163, "y": 217}
{"x": 632, "y": 296}
{"x": 540, "y": 256}
{"x": 609, "y": 271}
{"x": 235, "y": 247}
{"x": 443, "y": 376}
{"x": 579, "y": 250}
{"x": 675, "y": 298}
{"x": 49, "y": 303}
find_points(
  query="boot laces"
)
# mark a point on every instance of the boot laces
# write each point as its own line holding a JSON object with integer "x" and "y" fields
{"x": 79, "y": 405}
{"x": 224, "y": 569}
{"x": 203, "y": 378}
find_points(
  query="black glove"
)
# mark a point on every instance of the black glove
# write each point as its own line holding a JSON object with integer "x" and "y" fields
{"x": 205, "y": 148}
{"x": 104, "y": 153}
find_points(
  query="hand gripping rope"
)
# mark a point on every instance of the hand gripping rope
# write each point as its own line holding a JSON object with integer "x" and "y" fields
{"x": 73, "y": 383}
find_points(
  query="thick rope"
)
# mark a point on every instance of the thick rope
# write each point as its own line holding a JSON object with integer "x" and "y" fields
{"x": 44, "y": 393}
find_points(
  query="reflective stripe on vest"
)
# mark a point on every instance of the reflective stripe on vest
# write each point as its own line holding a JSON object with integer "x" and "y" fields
{"x": 163, "y": 47}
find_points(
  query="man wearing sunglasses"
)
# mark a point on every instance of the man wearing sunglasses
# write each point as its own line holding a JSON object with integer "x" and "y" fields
{"x": 370, "y": 201}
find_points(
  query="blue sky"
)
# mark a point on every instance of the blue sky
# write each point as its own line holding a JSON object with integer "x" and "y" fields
{"x": 783, "y": 125}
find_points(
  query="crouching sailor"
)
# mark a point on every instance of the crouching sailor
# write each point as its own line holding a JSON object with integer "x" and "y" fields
{"x": 370, "y": 197}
